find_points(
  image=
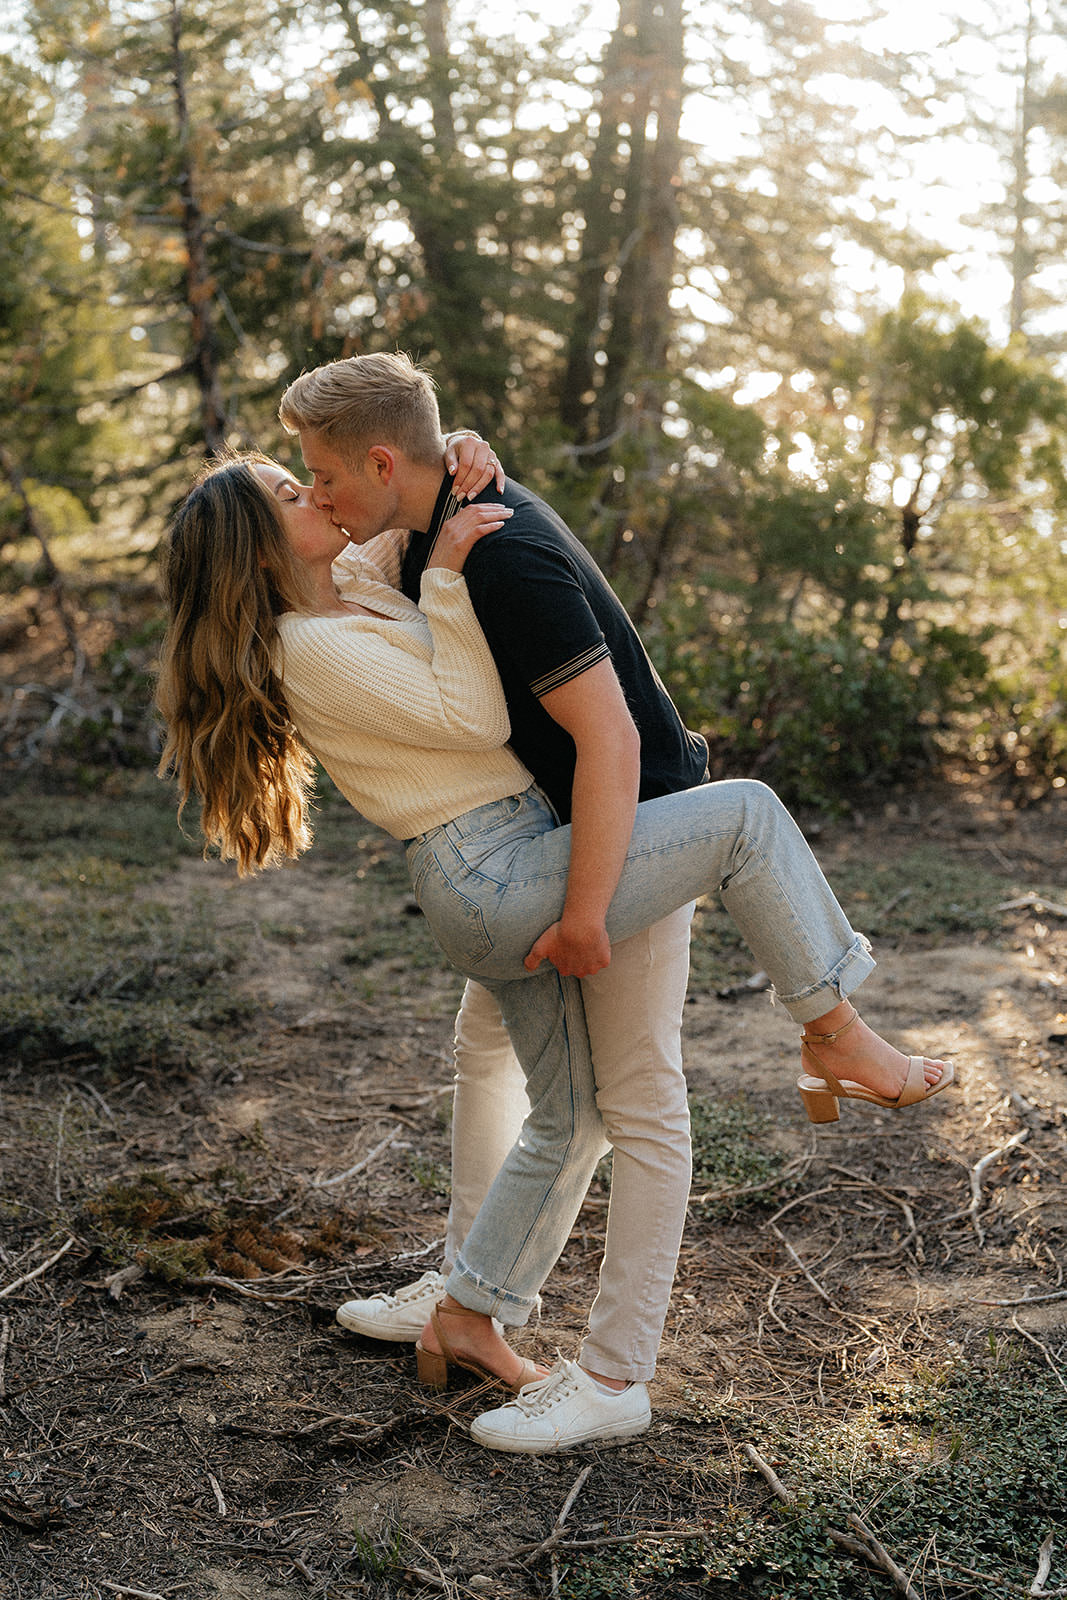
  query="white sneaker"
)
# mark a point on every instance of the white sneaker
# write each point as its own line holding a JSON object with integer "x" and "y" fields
{"x": 566, "y": 1408}
{"x": 400, "y": 1317}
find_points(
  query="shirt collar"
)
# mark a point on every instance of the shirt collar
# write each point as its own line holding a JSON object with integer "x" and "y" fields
{"x": 445, "y": 506}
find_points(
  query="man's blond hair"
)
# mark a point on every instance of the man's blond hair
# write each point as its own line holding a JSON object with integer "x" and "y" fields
{"x": 366, "y": 400}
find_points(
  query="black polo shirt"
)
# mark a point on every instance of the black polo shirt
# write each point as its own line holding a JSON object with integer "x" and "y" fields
{"x": 549, "y": 615}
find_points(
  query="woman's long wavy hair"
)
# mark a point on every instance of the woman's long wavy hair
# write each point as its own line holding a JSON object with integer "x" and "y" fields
{"x": 227, "y": 575}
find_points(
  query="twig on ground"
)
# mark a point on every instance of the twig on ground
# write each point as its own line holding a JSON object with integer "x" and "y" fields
{"x": 360, "y": 1166}
{"x": 186, "y": 1364}
{"x": 909, "y": 1215}
{"x": 976, "y": 1174}
{"x": 1035, "y": 902}
{"x": 883, "y": 911}
{"x": 138, "y": 1594}
{"x": 815, "y": 1284}
{"x": 220, "y": 1500}
{"x": 1044, "y": 1566}
{"x": 1024, "y": 1300}
{"x": 803, "y": 1199}
{"x": 5, "y": 1340}
{"x": 795, "y": 1168}
{"x": 38, "y": 1272}
{"x": 528, "y": 1552}
{"x": 881, "y": 1557}
{"x": 1057, "y": 1374}
{"x": 435, "y": 1579}
{"x": 857, "y": 1322}
{"x": 768, "y": 1474}
{"x": 557, "y": 1527}
{"x": 979, "y": 1169}
{"x": 116, "y": 1282}
{"x": 866, "y": 1545}
{"x": 87, "y": 1088}
{"x": 311, "y": 1019}
{"x": 372, "y": 1431}
{"x": 952, "y": 1565}
{"x": 272, "y": 1296}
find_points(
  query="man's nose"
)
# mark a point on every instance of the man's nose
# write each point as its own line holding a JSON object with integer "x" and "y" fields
{"x": 320, "y": 497}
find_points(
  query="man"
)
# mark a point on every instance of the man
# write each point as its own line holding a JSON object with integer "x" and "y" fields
{"x": 594, "y": 724}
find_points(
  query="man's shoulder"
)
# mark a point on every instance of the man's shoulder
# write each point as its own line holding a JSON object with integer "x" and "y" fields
{"x": 535, "y": 536}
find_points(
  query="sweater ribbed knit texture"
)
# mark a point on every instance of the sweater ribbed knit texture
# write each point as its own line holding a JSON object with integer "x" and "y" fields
{"x": 405, "y": 711}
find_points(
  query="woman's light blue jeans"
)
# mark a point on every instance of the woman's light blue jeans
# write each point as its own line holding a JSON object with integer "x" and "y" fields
{"x": 493, "y": 879}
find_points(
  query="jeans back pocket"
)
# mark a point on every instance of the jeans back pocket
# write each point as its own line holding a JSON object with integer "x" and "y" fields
{"x": 455, "y": 922}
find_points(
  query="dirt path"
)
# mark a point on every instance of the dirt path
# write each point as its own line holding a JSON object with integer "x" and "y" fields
{"x": 213, "y": 1433}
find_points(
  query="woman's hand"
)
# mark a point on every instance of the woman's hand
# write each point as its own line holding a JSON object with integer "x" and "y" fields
{"x": 460, "y": 533}
{"x": 473, "y": 463}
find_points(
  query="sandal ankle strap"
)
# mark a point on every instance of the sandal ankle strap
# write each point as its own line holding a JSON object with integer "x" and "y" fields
{"x": 828, "y": 1038}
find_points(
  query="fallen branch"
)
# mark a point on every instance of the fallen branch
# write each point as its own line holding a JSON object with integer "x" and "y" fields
{"x": 212, "y": 1281}
{"x": 976, "y": 1174}
{"x": 1035, "y": 902}
{"x": 909, "y": 1215}
{"x": 881, "y": 1557}
{"x": 116, "y": 1282}
{"x": 360, "y": 1166}
{"x": 38, "y": 1272}
{"x": 1044, "y": 1566}
{"x": 138, "y": 1594}
{"x": 865, "y": 1545}
{"x": 795, "y": 1168}
{"x": 5, "y": 1340}
{"x": 1036, "y": 1342}
{"x": 984, "y": 1577}
{"x": 979, "y": 1169}
{"x": 557, "y": 1528}
{"x": 1024, "y": 1300}
{"x": 528, "y": 1552}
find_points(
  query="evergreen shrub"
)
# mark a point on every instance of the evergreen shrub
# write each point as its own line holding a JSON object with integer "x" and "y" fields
{"x": 820, "y": 717}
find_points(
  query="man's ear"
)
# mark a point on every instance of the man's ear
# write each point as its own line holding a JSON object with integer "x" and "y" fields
{"x": 382, "y": 462}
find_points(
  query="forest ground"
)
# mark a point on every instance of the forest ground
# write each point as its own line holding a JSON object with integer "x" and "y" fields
{"x": 190, "y": 1067}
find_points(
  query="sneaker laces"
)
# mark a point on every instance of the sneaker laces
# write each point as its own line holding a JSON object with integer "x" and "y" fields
{"x": 534, "y": 1399}
{"x": 427, "y": 1284}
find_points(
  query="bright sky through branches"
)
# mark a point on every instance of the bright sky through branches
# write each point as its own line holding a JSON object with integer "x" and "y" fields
{"x": 953, "y": 176}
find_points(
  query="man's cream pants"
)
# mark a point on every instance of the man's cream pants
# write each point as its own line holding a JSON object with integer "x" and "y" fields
{"x": 634, "y": 1014}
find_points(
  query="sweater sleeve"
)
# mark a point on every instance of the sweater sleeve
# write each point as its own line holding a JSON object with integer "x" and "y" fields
{"x": 384, "y": 678}
{"x": 377, "y": 561}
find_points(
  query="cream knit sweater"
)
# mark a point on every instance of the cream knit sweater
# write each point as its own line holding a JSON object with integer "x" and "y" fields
{"x": 405, "y": 711}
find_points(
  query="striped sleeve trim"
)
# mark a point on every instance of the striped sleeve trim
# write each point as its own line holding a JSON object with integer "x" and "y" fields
{"x": 569, "y": 670}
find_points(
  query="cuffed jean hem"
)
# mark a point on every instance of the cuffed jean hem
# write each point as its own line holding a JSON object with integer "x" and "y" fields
{"x": 855, "y": 966}
{"x": 472, "y": 1291}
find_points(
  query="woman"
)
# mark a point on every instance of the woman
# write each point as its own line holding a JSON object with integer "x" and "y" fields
{"x": 268, "y": 657}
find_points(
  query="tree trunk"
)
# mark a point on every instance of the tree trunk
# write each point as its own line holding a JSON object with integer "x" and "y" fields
{"x": 1022, "y": 258}
{"x": 200, "y": 285}
{"x": 662, "y": 215}
{"x": 637, "y": 341}
{"x": 600, "y": 238}
{"x": 435, "y": 21}
{"x": 657, "y": 562}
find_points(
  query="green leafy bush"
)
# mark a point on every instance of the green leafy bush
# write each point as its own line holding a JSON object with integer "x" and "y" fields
{"x": 818, "y": 718}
